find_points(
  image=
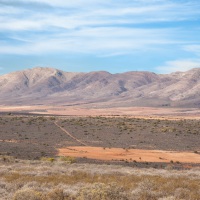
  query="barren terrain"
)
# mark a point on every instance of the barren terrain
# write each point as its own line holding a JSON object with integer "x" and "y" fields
{"x": 130, "y": 155}
{"x": 116, "y": 139}
{"x": 92, "y": 110}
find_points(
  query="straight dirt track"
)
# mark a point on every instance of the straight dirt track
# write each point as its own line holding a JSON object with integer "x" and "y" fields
{"x": 69, "y": 134}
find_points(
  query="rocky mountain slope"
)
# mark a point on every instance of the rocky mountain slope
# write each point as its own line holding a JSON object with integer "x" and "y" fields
{"x": 52, "y": 86}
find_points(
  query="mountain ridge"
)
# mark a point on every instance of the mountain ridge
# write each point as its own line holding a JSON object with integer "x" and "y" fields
{"x": 135, "y": 88}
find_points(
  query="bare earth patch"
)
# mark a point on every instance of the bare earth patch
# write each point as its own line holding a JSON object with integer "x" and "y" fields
{"x": 142, "y": 112}
{"x": 10, "y": 141}
{"x": 139, "y": 155}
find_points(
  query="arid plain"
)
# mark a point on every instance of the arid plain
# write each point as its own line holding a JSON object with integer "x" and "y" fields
{"x": 81, "y": 153}
{"x": 136, "y": 134}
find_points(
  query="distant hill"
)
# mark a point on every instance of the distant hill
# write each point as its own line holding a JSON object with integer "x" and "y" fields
{"x": 52, "y": 86}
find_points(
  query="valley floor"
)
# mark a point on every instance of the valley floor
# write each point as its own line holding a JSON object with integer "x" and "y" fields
{"x": 103, "y": 110}
{"x": 73, "y": 157}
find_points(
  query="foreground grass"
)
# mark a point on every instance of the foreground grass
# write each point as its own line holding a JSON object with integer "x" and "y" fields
{"x": 59, "y": 180}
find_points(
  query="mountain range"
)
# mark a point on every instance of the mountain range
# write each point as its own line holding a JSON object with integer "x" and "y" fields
{"x": 49, "y": 86}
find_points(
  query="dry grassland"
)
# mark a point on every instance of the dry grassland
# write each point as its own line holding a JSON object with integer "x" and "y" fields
{"x": 62, "y": 179}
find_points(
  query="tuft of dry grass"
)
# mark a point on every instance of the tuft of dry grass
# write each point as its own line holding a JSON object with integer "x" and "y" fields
{"x": 27, "y": 194}
{"x": 55, "y": 194}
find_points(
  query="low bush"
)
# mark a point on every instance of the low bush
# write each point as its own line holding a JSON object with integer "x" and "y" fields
{"x": 68, "y": 159}
{"x": 27, "y": 194}
{"x": 56, "y": 194}
{"x": 101, "y": 191}
{"x": 48, "y": 159}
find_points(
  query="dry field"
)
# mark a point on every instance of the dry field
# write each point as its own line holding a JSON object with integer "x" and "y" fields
{"x": 46, "y": 157}
{"x": 64, "y": 179}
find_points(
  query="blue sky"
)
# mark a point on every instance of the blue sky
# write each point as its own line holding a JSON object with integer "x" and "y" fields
{"x": 161, "y": 36}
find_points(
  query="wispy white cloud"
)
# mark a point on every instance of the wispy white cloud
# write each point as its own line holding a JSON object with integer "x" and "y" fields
{"x": 61, "y": 3}
{"x": 93, "y": 13}
{"x": 179, "y": 65}
{"x": 9, "y": 10}
{"x": 106, "y": 27}
{"x": 104, "y": 41}
{"x": 193, "y": 48}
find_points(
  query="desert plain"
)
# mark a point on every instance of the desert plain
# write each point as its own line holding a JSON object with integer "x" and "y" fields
{"x": 81, "y": 153}
{"x": 132, "y": 134}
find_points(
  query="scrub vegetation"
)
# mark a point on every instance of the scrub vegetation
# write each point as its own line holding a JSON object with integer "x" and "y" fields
{"x": 62, "y": 180}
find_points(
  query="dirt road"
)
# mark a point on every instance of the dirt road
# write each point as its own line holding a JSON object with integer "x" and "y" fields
{"x": 69, "y": 134}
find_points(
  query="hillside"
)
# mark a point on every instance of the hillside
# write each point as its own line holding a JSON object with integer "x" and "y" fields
{"x": 52, "y": 86}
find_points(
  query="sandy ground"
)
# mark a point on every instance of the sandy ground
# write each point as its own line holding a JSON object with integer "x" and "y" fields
{"x": 138, "y": 155}
{"x": 143, "y": 112}
{"x": 10, "y": 141}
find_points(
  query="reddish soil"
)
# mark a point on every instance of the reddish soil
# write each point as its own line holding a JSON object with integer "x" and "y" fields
{"x": 119, "y": 154}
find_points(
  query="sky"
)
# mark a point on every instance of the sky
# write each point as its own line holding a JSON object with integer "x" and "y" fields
{"x": 161, "y": 36}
